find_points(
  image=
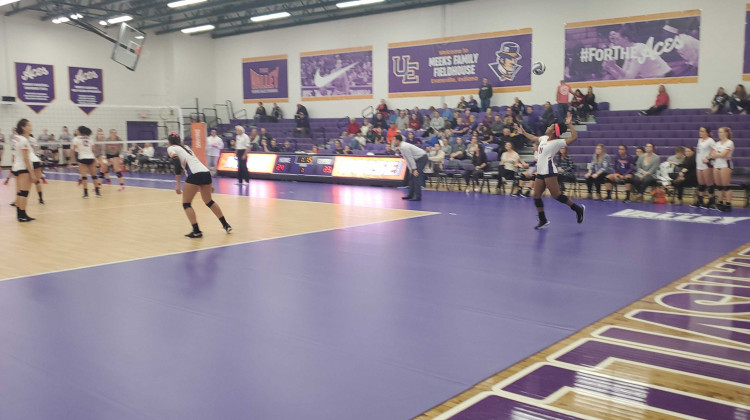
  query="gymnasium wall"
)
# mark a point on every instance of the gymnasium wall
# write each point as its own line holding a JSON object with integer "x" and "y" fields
{"x": 722, "y": 41}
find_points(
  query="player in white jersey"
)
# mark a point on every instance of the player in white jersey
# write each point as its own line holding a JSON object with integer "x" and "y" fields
{"x": 546, "y": 178}
{"x": 198, "y": 179}
{"x": 722, "y": 156}
{"x": 704, "y": 168}
{"x": 24, "y": 163}
{"x": 82, "y": 150}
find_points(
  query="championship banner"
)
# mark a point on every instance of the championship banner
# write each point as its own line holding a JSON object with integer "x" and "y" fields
{"x": 35, "y": 83}
{"x": 746, "y": 62}
{"x": 457, "y": 65}
{"x": 265, "y": 78}
{"x": 336, "y": 74}
{"x": 86, "y": 87}
{"x": 640, "y": 50}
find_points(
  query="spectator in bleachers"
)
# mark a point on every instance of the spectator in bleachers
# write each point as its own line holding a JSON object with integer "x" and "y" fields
{"x": 348, "y": 150}
{"x": 264, "y": 134}
{"x": 599, "y": 168}
{"x": 518, "y": 107}
{"x": 446, "y": 112}
{"x": 510, "y": 118}
{"x": 382, "y": 109}
{"x": 531, "y": 121}
{"x": 402, "y": 122}
{"x": 380, "y": 122}
{"x": 459, "y": 150}
{"x": 214, "y": 144}
{"x": 548, "y": 117}
{"x": 419, "y": 115}
{"x": 436, "y": 123}
{"x": 366, "y": 127}
{"x": 436, "y": 156}
{"x": 392, "y": 132}
{"x": 589, "y": 104}
{"x": 392, "y": 118}
{"x": 415, "y": 123}
{"x": 645, "y": 170}
{"x": 639, "y": 151}
{"x": 720, "y": 102}
{"x": 462, "y": 104}
{"x": 389, "y": 150}
{"x": 739, "y": 102}
{"x": 662, "y": 103}
{"x": 145, "y": 154}
{"x": 566, "y": 169}
{"x": 353, "y": 127}
{"x": 302, "y": 120}
{"x": 461, "y": 128}
{"x": 338, "y": 148}
{"x": 276, "y": 113}
{"x": 479, "y": 163}
{"x": 473, "y": 105}
{"x": 254, "y": 140}
{"x": 510, "y": 161}
{"x": 374, "y": 136}
{"x": 473, "y": 123}
{"x": 273, "y": 146}
{"x": 426, "y": 120}
{"x": 445, "y": 143}
{"x": 260, "y": 113}
{"x": 288, "y": 148}
{"x": 576, "y": 105}
{"x": 623, "y": 172}
{"x": 563, "y": 99}
{"x": 453, "y": 122}
{"x": 358, "y": 142}
{"x": 485, "y": 93}
{"x": 411, "y": 138}
{"x": 315, "y": 150}
{"x": 686, "y": 177}
{"x": 497, "y": 126}
{"x": 722, "y": 157}
{"x": 482, "y": 132}
{"x": 488, "y": 118}
{"x": 510, "y": 137}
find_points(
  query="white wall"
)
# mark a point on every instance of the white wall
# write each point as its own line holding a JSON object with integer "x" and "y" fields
{"x": 722, "y": 41}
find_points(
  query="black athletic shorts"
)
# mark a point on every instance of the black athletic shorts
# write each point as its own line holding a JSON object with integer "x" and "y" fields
{"x": 66, "y": 146}
{"x": 546, "y": 176}
{"x": 112, "y": 156}
{"x": 86, "y": 161}
{"x": 200, "y": 178}
{"x": 22, "y": 171}
{"x": 37, "y": 165}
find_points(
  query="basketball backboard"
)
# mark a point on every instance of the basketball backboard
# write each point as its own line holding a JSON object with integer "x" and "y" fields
{"x": 127, "y": 49}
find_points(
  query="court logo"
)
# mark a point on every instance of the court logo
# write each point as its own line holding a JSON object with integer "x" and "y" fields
{"x": 506, "y": 67}
{"x": 406, "y": 69}
{"x": 266, "y": 81}
{"x": 679, "y": 217}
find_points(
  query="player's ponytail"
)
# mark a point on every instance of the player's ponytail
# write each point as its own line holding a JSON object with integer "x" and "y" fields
{"x": 84, "y": 131}
{"x": 174, "y": 140}
{"x": 21, "y": 124}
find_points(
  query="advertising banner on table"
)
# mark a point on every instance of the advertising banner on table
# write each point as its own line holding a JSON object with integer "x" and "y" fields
{"x": 336, "y": 74}
{"x": 86, "y": 87}
{"x": 35, "y": 83}
{"x": 640, "y": 50}
{"x": 457, "y": 65}
{"x": 265, "y": 78}
{"x": 746, "y": 62}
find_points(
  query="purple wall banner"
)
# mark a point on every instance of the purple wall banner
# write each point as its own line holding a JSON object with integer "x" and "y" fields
{"x": 640, "y": 50}
{"x": 746, "y": 62}
{"x": 336, "y": 74}
{"x": 86, "y": 87}
{"x": 35, "y": 83}
{"x": 457, "y": 65}
{"x": 265, "y": 78}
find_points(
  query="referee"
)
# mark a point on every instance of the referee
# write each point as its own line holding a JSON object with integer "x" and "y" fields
{"x": 242, "y": 146}
{"x": 416, "y": 160}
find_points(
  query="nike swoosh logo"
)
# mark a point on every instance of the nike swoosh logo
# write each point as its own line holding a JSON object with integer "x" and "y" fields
{"x": 323, "y": 81}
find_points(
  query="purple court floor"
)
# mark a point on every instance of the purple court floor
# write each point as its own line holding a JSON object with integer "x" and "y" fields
{"x": 374, "y": 322}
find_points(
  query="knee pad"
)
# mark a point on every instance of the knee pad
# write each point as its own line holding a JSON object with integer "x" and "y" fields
{"x": 210, "y": 203}
{"x": 38, "y": 182}
{"x": 722, "y": 187}
{"x": 562, "y": 198}
{"x": 701, "y": 188}
{"x": 538, "y": 202}
{"x": 711, "y": 189}
{"x": 187, "y": 205}
{"x": 119, "y": 174}
{"x": 628, "y": 180}
{"x": 23, "y": 193}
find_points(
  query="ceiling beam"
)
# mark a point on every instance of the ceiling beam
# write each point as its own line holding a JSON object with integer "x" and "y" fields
{"x": 35, "y": 6}
{"x": 218, "y": 9}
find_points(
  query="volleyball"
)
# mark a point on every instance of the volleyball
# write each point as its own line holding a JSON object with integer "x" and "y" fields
{"x": 538, "y": 68}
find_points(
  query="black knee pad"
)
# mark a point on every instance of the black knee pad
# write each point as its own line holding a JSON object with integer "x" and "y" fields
{"x": 210, "y": 203}
{"x": 538, "y": 202}
{"x": 711, "y": 189}
{"x": 119, "y": 174}
{"x": 187, "y": 205}
{"x": 23, "y": 193}
{"x": 701, "y": 188}
{"x": 628, "y": 180}
{"x": 562, "y": 198}
{"x": 722, "y": 187}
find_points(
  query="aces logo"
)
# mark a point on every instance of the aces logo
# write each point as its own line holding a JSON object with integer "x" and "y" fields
{"x": 506, "y": 67}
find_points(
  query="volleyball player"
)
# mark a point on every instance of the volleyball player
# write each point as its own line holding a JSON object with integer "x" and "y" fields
{"x": 549, "y": 145}
{"x": 722, "y": 156}
{"x": 198, "y": 179}
{"x": 24, "y": 163}
{"x": 81, "y": 150}
{"x": 112, "y": 155}
{"x": 704, "y": 168}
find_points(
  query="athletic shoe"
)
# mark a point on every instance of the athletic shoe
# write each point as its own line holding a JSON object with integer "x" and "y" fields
{"x": 476, "y": 190}
{"x": 98, "y": 195}
{"x": 526, "y": 194}
{"x": 406, "y": 198}
{"x": 85, "y": 196}
{"x": 194, "y": 235}
{"x": 580, "y": 213}
{"x": 41, "y": 201}
{"x": 697, "y": 205}
{"x": 26, "y": 219}
{"x": 13, "y": 204}
{"x": 44, "y": 180}
{"x": 542, "y": 225}
{"x": 238, "y": 183}
{"x": 627, "y": 200}
{"x": 607, "y": 199}
{"x": 728, "y": 208}
{"x": 514, "y": 194}
{"x": 122, "y": 188}
{"x": 228, "y": 228}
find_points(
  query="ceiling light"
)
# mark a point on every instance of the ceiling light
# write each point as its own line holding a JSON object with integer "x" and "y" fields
{"x": 119, "y": 19}
{"x": 61, "y": 19}
{"x": 103, "y": 22}
{"x": 75, "y": 16}
{"x": 198, "y": 29}
{"x": 183, "y": 3}
{"x": 6, "y": 2}
{"x": 357, "y": 3}
{"x": 139, "y": 37}
{"x": 270, "y": 17}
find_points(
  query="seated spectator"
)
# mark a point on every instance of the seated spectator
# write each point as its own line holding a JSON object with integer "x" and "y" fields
{"x": 380, "y": 122}
{"x": 358, "y": 141}
{"x": 461, "y": 128}
{"x": 375, "y": 136}
{"x": 436, "y": 156}
{"x": 517, "y": 141}
{"x": 392, "y": 118}
{"x": 527, "y": 177}
{"x": 518, "y": 107}
{"x": 482, "y": 132}
{"x": 382, "y": 109}
{"x": 445, "y": 143}
{"x": 739, "y": 102}
{"x": 348, "y": 150}
{"x": 720, "y": 103}
{"x": 548, "y": 117}
{"x": 302, "y": 120}
{"x": 389, "y": 150}
{"x": 353, "y": 127}
{"x": 510, "y": 119}
{"x": 461, "y": 104}
{"x": 260, "y": 113}
{"x": 419, "y": 115}
{"x": 288, "y": 148}
{"x": 467, "y": 114}
{"x": 446, "y": 112}
{"x": 415, "y": 123}
{"x": 497, "y": 126}
{"x": 623, "y": 172}
{"x": 473, "y": 123}
{"x": 472, "y": 104}
{"x": 479, "y": 163}
{"x": 402, "y": 122}
{"x": 488, "y": 118}
{"x": 662, "y": 103}
{"x": 576, "y": 105}
{"x": 338, "y": 149}
{"x": 254, "y": 140}
{"x": 392, "y": 132}
{"x": 264, "y": 134}
{"x": 453, "y": 122}
{"x": 273, "y": 147}
{"x": 639, "y": 151}
{"x": 531, "y": 121}
{"x": 645, "y": 170}
{"x": 366, "y": 127}
{"x": 426, "y": 120}
{"x": 315, "y": 150}
{"x": 510, "y": 161}
{"x": 589, "y": 104}
{"x": 412, "y": 139}
{"x": 599, "y": 168}
{"x": 686, "y": 176}
{"x": 276, "y": 113}
{"x": 459, "y": 150}
{"x": 566, "y": 169}
{"x": 145, "y": 154}
{"x": 436, "y": 123}
{"x": 263, "y": 146}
